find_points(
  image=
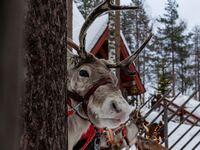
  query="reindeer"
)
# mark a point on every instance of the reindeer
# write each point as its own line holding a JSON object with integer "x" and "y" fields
{"x": 93, "y": 93}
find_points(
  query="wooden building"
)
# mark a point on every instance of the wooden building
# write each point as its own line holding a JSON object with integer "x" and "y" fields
{"x": 97, "y": 44}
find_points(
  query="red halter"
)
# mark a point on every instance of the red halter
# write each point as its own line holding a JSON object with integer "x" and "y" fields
{"x": 84, "y": 99}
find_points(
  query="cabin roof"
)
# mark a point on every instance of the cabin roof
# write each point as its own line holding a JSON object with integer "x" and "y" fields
{"x": 97, "y": 28}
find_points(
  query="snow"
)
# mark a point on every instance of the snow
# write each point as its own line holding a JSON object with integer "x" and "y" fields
{"x": 78, "y": 21}
{"x": 125, "y": 43}
{"x": 94, "y": 32}
{"x": 179, "y": 132}
{"x": 189, "y": 105}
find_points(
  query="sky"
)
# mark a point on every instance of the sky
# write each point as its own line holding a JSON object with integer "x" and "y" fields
{"x": 189, "y": 10}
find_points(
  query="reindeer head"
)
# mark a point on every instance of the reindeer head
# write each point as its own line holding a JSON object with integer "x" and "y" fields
{"x": 105, "y": 105}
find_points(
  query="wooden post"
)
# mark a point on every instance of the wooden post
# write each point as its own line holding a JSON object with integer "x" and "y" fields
{"x": 111, "y": 38}
{"x": 165, "y": 123}
{"x": 114, "y": 38}
{"x": 117, "y": 39}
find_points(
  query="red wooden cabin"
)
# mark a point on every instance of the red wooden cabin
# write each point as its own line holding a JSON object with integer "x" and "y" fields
{"x": 97, "y": 43}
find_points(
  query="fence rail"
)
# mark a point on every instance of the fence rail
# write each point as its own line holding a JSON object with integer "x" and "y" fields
{"x": 173, "y": 108}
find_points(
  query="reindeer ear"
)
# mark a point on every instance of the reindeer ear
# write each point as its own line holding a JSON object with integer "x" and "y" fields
{"x": 72, "y": 60}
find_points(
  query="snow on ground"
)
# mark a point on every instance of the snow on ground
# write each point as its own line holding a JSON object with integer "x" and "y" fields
{"x": 190, "y": 105}
{"x": 179, "y": 132}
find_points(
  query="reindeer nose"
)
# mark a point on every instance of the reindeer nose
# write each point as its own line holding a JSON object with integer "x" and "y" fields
{"x": 115, "y": 107}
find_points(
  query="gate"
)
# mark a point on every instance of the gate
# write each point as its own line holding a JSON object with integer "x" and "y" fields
{"x": 169, "y": 107}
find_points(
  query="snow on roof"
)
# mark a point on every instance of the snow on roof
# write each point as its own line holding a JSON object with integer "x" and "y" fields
{"x": 94, "y": 32}
{"x": 125, "y": 43}
{"x": 78, "y": 21}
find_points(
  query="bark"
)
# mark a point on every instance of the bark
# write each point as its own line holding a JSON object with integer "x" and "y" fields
{"x": 69, "y": 18}
{"x": 11, "y": 54}
{"x": 43, "y": 108}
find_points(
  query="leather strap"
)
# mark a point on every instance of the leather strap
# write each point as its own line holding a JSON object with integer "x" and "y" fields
{"x": 76, "y": 97}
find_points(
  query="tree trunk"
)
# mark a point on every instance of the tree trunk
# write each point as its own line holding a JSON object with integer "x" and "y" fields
{"x": 173, "y": 74}
{"x": 43, "y": 108}
{"x": 173, "y": 67}
{"x": 69, "y": 18}
{"x": 137, "y": 40}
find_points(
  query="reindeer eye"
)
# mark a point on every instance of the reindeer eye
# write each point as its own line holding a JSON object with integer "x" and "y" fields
{"x": 83, "y": 73}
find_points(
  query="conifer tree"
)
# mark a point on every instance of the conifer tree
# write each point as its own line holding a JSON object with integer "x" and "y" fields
{"x": 86, "y": 6}
{"x": 135, "y": 26}
{"x": 171, "y": 34}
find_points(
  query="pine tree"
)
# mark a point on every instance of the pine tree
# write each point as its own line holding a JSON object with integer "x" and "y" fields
{"x": 171, "y": 34}
{"x": 183, "y": 66}
{"x": 159, "y": 66}
{"x": 135, "y": 26}
{"x": 86, "y": 6}
{"x": 164, "y": 81}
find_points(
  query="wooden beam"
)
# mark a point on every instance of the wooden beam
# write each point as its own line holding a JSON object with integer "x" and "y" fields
{"x": 117, "y": 38}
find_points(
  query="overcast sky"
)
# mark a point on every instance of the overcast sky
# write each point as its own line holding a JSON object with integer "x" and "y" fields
{"x": 189, "y": 10}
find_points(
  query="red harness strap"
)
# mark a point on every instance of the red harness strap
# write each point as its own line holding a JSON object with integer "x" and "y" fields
{"x": 124, "y": 134}
{"x": 89, "y": 135}
{"x": 70, "y": 112}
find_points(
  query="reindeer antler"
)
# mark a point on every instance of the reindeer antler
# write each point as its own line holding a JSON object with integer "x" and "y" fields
{"x": 71, "y": 44}
{"x": 126, "y": 62}
{"x": 100, "y": 9}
